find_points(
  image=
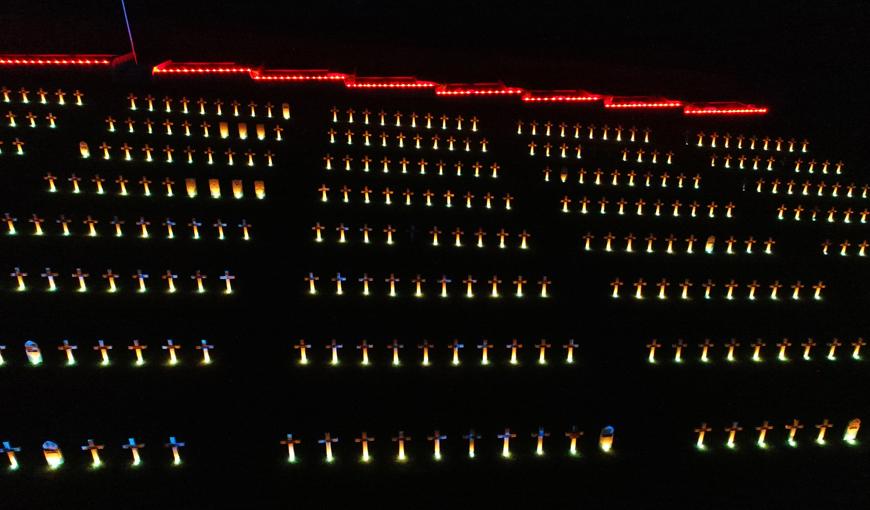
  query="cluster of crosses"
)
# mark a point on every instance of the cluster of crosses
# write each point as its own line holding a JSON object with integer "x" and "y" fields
{"x": 805, "y": 188}
{"x": 844, "y": 247}
{"x": 454, "y": 237}
{"x": 425, "y": 347}
{"x": 412, "y": 120}
{"x": 111, "y": 277}
{"x": 34, "y": 353}
{"x": 406, "y": 166}
{"x": 770, "y": 162}
{"x": 41, "y": 96}
{"x": 708, "y": 286}
{"x": 54, "y": 458}
{"x": 467, "y": 200}
{"x": 849, "y": 435}
{"x": 19, "y": 146}
{"x": 443, "y": 284}
{"x": 117, "y": 224}
{"x": 30, "y": 120}
{"x": 418, "y": 141}
{"x": 437, "y": 439}
{"x": 204, "y": 129}
{"x": 632, "y": 178}
{"x": 237, "y": 186}
{"x": 782, "y": 349}
{"x": 201, "y": 106}
{"x": 831, "y": 215}
{"x": 657, "y": 208}
{"x": 752, "y": 143}
{"x": 673, "y": 243}
{"x": 149, "y": 154}
{"x": 589, "y": 132}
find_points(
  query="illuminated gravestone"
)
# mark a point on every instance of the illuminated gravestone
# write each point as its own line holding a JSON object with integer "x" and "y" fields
{"x": 605, "y": 439}
{"x": 10, "y": 451}
{"x": 436, "y": 439}
{"x": 364, "y": 441}
{"x": 175, "y": 446}
{"x": 53, "y": 456}
{"x": 33, "y": 353}
{"x": 702, "y": 432}
{"x": 400, "y": 440}
{"x": 851, "y": 431}
{"x": 94, "y": 450}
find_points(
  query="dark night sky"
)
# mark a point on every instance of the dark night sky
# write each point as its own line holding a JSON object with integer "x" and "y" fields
{"x": 790, "y": 55}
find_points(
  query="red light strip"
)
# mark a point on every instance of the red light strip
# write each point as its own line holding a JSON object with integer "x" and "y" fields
{"x": 723, "y": 109}
{"x": 559, "y": 96}
{"x": 477, "y": 89}
{"x": 452, "y": 89}
{"x": 389, "y": 82}
{"x": 56, "y": 60}
{"x": 640, "y": 102}
{"x": 296, "y": 75}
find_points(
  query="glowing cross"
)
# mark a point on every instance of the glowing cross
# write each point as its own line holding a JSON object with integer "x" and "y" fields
{"x": 856, "y": 348}
{"x": 732, "y": 431}
{"x": 364, "y": 441}
{"x": 808, "y": 345}
{"x": 678, "y": 350}
{"x": 110, "y": 276}
{"x": 395, "y": 346}
{"x": 49, "y": 275}
{"x": 103, "y": 349}
{"x": 66, "y": 347}
{"x": 569, "y": 348}
{"x": 455, "y": 346}
{"x": 95, "y": 452}
{"x": 702, "y": 431}
{"x": 471, "y": 437}
{"x": 514, "y": 346}
{"x": 170, "y": 280}
{"x": 832, "y": 348}
{"x": 792, "y": 428}
{"x": 141, "y": 277}
{"x": 823, "y": 427}
{"x": 401, "y": 438}
{"x": 540, "y": 435}
{"x": 81, "y": 278}
{"x": 542, "y": 351}
{"x": 364, "y": 347}
{"x": 174, "y": 445}
{"x": 544, "y": 282}
{"x": 199, "y": 277}
{"x": 10, "y": 451}
{"x": 140, "y": 360}
{"x": 818, "y": 289}
{"x": 171, "y": 348}
{"x": 228, "y": 278}
{"x": 302, "y": 347}
{"x": 291, "y": 442}
{"x": 705, "y": 350}
{"x": 425, "y": 347}
{"x": 134, "y": 447}
{"x": 506, "y": 442}
{"x": 762, "y": 433}
{"x": 484, "y": 347}
{"x": 652, "y": 346}
{"x": 334, "y": 347}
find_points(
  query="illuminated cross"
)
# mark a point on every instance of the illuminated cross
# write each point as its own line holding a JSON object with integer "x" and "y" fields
{"x": 436, "y": 439}
{"x": 639, "y": 285}
{"x": 702, "y": 432}
{"x": 19, "y": 276}
{"x": 774, "y": 287}
{"x": 364, "y": 347}
{"x": 425, "y": 347}
{"x": 762, "y": 433}
{"x": 569, "y": 349}
{"x": 705, "y": 350}
{"x": 484, "y": 347}
{"x": 856, "y": 348}
{"x": 796, "y": 288}
{"x": 401, "y": 439}
{"x": 732, "y": 431}
{"x": 245, "y": 226}
{"x": 471, "y": 437}
{"x": 170, "y": 280}
{"x": 514, "y": 346}
{"x": 333, "y": 347}
{"x": 52, "y": 188}
{"x": 832, "y": 348}
{"x": 10, "y": 451}
{"x": 823, "y": 428}
{"x": 792, "y": 428}
{"x": 103, "y": 349}
{"x": 137, "y": 348}
{"x": 19, "y": 146}
{"x": 544, "y": 282}
{"x": 365, "y": 280}
{"x": 170, "y": 347}
{"x": 469, "y": 289}
{"x": 818, "y": 289}
{"x": 175, "y": 446}
{"x": 227, "y": 278}
{"x": 616, "y": 284}
{"x": 678, "y": 350}
{"x": 506, "y": 442}
{"x": 68, "y": 349}
{"x": 94, "y": 449}
{"x": 200, "y": 278}
{"x": 494, "y": 283}
{"x": 80, "y": 276}
{"x": 685, "y": 284}
{"x": 395, "y": 346}
{"x": 364, "y": 441}
{"x": 291, "y": 443}
{"x": 542, "y": 347}
{"x": 392, "y": 280}
{"x": 756, "y": 349}
{"x": 302, "y": 347}
{"x": 219, "y": 225}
